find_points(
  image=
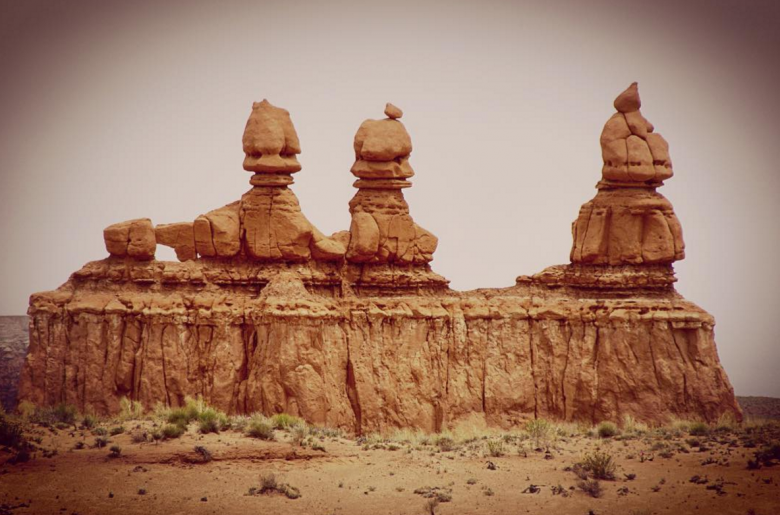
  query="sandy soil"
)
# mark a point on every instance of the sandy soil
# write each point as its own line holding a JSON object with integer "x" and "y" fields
{"x": 353, "y": 477}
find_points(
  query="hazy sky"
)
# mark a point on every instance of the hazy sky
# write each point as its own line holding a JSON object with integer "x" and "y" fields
{"x": 119, "y": 110}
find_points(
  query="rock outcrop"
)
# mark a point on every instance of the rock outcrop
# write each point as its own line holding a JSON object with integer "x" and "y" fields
{"x": 265, "y": 313}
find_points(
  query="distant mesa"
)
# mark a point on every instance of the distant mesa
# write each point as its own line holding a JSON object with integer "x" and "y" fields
{"x": 265, "y": 313}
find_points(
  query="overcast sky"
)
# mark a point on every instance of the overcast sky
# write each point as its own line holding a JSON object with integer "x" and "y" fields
{"x": 119, "y": 110}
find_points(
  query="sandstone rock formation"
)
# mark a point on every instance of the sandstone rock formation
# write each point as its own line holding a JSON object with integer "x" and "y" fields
{"x": 628, "y": 222}
{"x": 265, "y": 313}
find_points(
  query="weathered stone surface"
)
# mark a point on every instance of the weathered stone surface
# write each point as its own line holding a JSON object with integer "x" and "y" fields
{"x": 179, "y": 236}
{"x": 270, "y": 140}
{"x": 628, "y": 101}
{"x": 133, "y": 238}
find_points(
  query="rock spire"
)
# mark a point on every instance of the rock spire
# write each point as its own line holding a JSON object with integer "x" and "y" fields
{"x": 382, "y": 231}
{"x": 629, "y": 222}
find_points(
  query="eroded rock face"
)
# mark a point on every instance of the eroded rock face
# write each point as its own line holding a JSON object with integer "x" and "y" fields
{"x": 355, "y": 330}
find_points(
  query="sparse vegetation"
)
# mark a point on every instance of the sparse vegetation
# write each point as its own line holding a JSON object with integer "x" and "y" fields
{"x": 600, "y": 465}
{"x": 591, "y": 487}
{"x": 607, "y": 430}
{"x": 260, "y": 427}
{"x": 540, "y": 431}
{"x": 170, "y": 431}
{"x": 495, "y": 448}
{"x": 115, "y": 451}
{"x": 699, "y": 429}
{"x": 270, "y": 485}
{"x": 203, "y": 453}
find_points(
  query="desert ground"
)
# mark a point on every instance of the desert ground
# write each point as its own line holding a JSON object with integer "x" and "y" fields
{"x": 195, "y": 460}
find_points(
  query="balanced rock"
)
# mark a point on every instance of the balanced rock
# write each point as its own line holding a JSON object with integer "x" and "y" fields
{"x": 629, "y": 222}
{"x": 382, "y": 231}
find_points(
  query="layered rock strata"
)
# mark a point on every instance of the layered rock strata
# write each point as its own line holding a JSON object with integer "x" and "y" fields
{"x": 363, "y": 334}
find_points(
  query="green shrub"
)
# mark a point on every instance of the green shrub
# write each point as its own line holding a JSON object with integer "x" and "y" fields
{"x": 699, "y": 429}
{"x": 260, "y": 427}
{"x": 118, "y": 430}
{"x": 607, "y": 430}
{"x": 600, "y": 465}
{"x": 209, "y": 421}
{"x": 170, "y": 431}
{"x": 89, "y": 421}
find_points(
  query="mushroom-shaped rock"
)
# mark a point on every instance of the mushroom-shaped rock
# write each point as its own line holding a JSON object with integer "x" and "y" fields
{"x": 628, "y": 222}
{"x": 270, "y": 140}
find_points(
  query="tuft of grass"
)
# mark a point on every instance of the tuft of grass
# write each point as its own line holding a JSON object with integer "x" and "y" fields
{"x": 118, "y": 430}
{"x": 299, "y": 432}
{"x": 600, "y": 465}
{"x": 699, "y": 429}
{"x": 89, "y": 422}
{"x": 116, "y": 451}
{"x": 130, "y": 410}
{"x": 101, "y": 441}
{"x": 607, "y": 430}
{"x": 631, "y": 425}
{"x": 591, "y": 487}
{"x": 269, "y": 484}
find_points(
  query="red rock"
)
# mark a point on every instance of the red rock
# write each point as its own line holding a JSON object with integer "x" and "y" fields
{"x": 357, "y": 331}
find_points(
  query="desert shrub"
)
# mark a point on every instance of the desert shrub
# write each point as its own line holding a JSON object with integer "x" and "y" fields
{"x": 699, "y": 429}
{"x": 591, "y": 487}
{"x": 101, "y": 441}
{"x": 209, "y": 421}
{"x": 11, "y": 434}
{"x": 260, "y": 427}
{"x": 607, "y": 430}
{"x": 431, "y": 505}
{"x": 726, "y": 422}
{"x": 116, "y": 451}
{"x": 299, "y": 432}
{"x": 171, "y": 431}
{"x": 89, "y": 421}
{"x": 600, "y": 465}
{"x": 269, "y": 484}
{"x": 157, "y": 435}
{"x": 130, "y": 410}
{"x": 139, "y": 437}
{"x": 180, "y": 417}
{"x": 118, "y": 430}
{"x": 445, "y": 443}
{"x": 495, "y": 448}
{"x": 285, "y": 421}
{"x": 767, "y": 456}
{"x": 205, "y": 455}
{"x": 540, "y": 431}
{"x": 239, "y": 423}
{"x": 100, "y": 431}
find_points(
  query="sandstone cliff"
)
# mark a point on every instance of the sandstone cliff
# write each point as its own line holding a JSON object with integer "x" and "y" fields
{"x": 355, "y": 330}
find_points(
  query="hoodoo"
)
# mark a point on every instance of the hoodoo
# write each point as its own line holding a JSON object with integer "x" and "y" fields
{"x": 265, "y": 313}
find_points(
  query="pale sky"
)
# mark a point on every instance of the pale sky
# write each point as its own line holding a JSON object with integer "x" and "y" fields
{"x": 119, "y": 110}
